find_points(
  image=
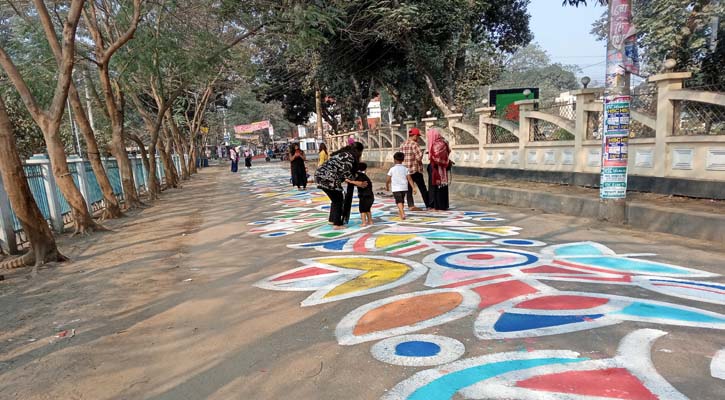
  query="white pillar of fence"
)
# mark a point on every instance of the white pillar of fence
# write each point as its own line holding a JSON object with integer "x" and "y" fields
{"x": 82, "y": 179}
{"x": 7, "y": 230}
{"x": 524, "y": 129}
{"x": 666, "y": 83}
{"x": 56, "y": 216}
{"x": 584, "y": 98}
{"x": 452, "y": 120}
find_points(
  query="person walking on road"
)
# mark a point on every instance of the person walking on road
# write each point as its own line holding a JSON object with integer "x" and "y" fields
{"x": 399, "y": 181}
{"x": 414, "y": 162}
{"x": 340, "y": 168}
{"x": 297, "y": 167}
{"x": 234, "y": 157}
{"x": 438, "y": 152}
{"x": 248, "y": 158}
{"x": 323, "y": 155}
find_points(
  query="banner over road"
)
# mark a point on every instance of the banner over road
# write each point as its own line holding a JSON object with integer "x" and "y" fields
{"x": 254, "y": 126}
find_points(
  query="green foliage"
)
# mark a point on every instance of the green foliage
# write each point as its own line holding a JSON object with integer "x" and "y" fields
{"x": 677, "y": 29}
{"x": 532, "y": 67}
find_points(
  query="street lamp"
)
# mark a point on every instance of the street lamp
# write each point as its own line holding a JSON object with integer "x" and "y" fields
{"x": 585, "y": 81}
{"x": 429, "y": 113}
{"x": 669, "y": 64}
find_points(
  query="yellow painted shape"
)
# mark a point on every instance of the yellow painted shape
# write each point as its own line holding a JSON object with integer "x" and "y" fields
{"x": 378, "y": 272}
{"x": 389, "y": 240}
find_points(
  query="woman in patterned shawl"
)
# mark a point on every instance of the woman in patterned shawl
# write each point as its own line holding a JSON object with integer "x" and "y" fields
{"x": 339, "y": 169}
{"x": 438, "y": 151}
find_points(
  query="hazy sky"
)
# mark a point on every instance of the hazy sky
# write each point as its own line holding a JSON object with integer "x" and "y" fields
{"x": 564, "y": 33}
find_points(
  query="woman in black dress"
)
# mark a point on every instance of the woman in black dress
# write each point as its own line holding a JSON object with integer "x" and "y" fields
{"x": 340, "y": 168}
{"x": 297, "y": 167}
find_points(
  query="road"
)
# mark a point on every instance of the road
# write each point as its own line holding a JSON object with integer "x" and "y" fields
{"x": 236, "y": 288}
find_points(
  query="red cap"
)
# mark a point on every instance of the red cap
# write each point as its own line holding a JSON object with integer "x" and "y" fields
{"x": 414, "y": 132}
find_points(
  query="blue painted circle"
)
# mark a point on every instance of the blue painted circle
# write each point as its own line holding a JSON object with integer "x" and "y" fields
{"x": 442, "y": 259}
{"x": 417, "y": 348}
{"x": 518, "y": 242}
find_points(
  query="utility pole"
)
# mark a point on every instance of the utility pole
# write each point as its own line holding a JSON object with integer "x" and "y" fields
{"x": 318, "y": 112}
{"x": 621, "y": 60}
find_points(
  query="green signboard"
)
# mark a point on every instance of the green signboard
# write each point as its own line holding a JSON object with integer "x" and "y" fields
{"x": 504, "y": 99}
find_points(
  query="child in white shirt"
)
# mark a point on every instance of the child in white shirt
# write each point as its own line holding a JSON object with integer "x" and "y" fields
{"x": 398, "y": 181}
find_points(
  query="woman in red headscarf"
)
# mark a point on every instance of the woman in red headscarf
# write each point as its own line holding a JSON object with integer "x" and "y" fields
{"x": 438, "y": 152}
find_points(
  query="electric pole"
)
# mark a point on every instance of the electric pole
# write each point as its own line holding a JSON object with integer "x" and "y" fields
{"x": 621, "y": 60}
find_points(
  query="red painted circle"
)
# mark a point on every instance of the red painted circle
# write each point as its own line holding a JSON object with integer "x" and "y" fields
{"x": 480, "y": 256}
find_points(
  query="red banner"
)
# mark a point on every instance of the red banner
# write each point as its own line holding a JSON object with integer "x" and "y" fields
{"x": 254, "y": 126}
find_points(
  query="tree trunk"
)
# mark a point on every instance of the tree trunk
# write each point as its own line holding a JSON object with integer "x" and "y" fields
{"x": 113, "y": 207}
{"x": 172, "y": 178}
{"x": 82, "y": 220}
{"x": 192, "y": 154}
{"x": 42, "y": 243}
{"x": 178, "y": 144}
{"x": 154, "y": 186}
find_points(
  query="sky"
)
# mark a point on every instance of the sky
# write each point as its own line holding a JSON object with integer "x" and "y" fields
{"x": 564, "y": 33}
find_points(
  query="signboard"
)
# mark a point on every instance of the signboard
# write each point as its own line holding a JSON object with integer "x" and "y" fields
{"x": 503, "y": 100}
{"x": 254, "y": 126}
{"x": 615, "y": 147}
{"x": 301, "y": 131}
{"x": 246, "y": 137}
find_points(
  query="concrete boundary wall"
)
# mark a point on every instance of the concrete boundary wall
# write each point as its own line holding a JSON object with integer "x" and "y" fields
{"x": 640, "y": 215}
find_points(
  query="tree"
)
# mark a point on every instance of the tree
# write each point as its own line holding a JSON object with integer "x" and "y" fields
{"x": 112, "y": 207}
{"x": 42, "y": 243}
{"x": 49, "y": 120}
{"x": 532, "y": 67}
{"x": 107, "y": 40}
{"x": 451, "y": 43}
{"x": 675, "y": 29}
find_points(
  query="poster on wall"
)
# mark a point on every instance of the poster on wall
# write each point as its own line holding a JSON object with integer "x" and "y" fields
{"x": 615, "y": 147}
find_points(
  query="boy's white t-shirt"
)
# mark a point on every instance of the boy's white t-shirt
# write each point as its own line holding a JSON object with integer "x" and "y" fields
{"x": 398, "y": 178}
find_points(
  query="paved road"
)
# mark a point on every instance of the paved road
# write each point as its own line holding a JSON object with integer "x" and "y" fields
{"x": 479, "y": 302}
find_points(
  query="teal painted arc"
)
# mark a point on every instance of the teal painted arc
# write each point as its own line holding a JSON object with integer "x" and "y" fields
{"x": 629, "y": 265}
{"x": 656, "y": 311}
{"x": 579, "y": 249}
{"x": 448, "y": 385}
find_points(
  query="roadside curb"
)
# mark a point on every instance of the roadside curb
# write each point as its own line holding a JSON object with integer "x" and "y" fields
{"x": 642, "y": 216}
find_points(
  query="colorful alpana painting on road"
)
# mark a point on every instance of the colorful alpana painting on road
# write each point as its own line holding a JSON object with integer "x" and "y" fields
{"x": 512, "y": 309}
{"x": 338, "y": 278}
{"x": 546, "y": 374}
{"x": 478, "y": 270}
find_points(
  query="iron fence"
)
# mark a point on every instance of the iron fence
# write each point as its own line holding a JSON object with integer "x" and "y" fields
{"x": 559, "y": 109}
{"x": 541, "y": 130}
{"x": 695, "y": 118}
{"x": 500, "y": 135}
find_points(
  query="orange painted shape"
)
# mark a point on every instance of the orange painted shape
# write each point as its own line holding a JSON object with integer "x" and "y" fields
{"x": 499, "y": 292}
{"x": 407, "y": 311}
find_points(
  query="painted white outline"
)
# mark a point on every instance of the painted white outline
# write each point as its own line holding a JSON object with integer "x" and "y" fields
{"x": 692, "y": 292}
{"x": 346, "y": 326}
{"x": 450, "y": 350}
{"x": 511, "y": 230}
{"x": 717, "y": 365}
